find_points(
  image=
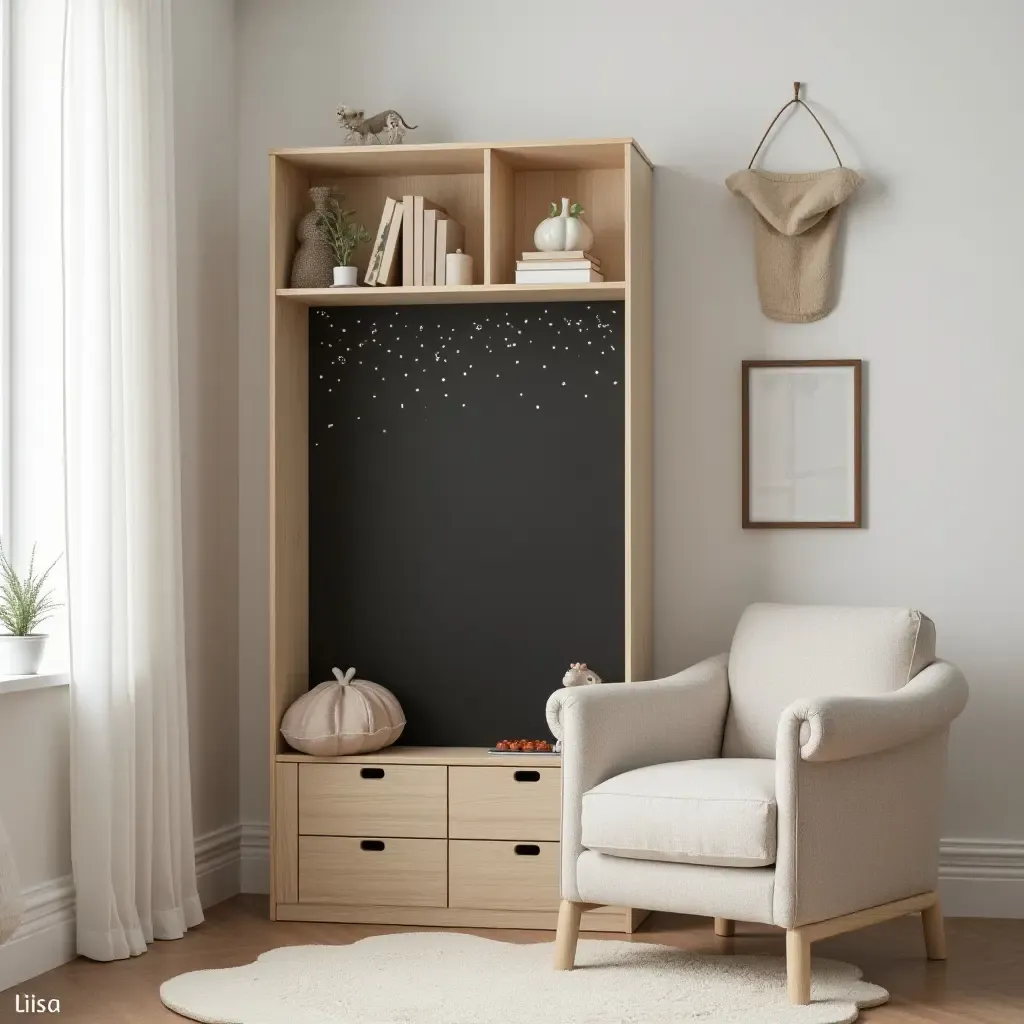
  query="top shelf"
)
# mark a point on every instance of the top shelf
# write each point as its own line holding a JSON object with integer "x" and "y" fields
{"x": 498, "y": 193}
{"x": 460, "y": 157}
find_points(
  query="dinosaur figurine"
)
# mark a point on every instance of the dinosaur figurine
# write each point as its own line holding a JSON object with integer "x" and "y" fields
{"x": 364, "y": 129}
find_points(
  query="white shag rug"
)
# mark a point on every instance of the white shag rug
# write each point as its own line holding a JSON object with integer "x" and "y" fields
{"x": 450, "y": 978}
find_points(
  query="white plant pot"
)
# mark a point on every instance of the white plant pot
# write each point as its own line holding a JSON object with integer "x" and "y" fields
{"x": 346, "y": 277}
{"x": 21, "y": 655}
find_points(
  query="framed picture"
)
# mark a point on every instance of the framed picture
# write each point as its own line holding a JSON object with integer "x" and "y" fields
{"x": 801, "y": 443}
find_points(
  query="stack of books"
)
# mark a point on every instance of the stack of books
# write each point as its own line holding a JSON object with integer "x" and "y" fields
{"x": 412, "y": 241}
{"x": 558, "y": 268}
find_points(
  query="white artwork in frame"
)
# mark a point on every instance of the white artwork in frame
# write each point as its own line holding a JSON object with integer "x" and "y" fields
{"x": 801, "y": 443}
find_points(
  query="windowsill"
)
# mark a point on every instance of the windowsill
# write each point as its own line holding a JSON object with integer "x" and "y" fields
{"x": 42, "y": 681}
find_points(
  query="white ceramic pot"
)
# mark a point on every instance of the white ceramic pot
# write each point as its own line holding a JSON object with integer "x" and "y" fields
{"x": 21, "y": 655}
{"x": 346, "y": 277}
{"x": 458, "y": 268}
{"x": 563, "y": 233}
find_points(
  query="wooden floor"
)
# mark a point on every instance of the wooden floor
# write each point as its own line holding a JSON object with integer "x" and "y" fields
{"x": 983, "y": 980}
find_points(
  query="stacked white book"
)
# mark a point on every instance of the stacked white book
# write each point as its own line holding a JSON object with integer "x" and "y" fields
{"x": 558, "y": 268}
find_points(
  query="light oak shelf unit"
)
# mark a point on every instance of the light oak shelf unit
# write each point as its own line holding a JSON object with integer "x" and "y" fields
{"x": 499, "y": 193}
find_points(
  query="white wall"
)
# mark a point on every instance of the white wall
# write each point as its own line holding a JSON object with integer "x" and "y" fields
{"x": 34, "y": 744}
{"x": 923, "y": 99}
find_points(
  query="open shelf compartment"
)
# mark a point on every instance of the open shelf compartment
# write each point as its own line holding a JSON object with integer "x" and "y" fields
{"x": 498, "y": 193}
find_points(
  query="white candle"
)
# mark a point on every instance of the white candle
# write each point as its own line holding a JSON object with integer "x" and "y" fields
{"x": 458, "y": 268}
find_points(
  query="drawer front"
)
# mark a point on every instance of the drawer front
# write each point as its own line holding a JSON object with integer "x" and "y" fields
{"x": 503, "y": 876}
{"x": 373, "y": 872}
{"x": 399, "y": 800}
{"x": 504, "y": 803}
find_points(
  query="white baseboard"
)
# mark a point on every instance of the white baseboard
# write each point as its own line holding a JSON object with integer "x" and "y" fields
{"x": 982, "y": 877}
{"x": 46, "y": 936}
{"x": 218, "y": 864}
{"x": 255, "y": 857}
{"x": 45, "y": 939}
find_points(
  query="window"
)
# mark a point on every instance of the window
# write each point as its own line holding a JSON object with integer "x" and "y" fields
{"x": 31, "y": 314}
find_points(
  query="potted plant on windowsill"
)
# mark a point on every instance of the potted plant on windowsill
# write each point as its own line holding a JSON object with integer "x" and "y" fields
{"x": 24, "y": 606}
{"x": 342, "y": 236}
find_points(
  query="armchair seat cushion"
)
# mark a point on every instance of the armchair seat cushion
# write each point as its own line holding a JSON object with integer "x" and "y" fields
{"x": 718, "y": 811}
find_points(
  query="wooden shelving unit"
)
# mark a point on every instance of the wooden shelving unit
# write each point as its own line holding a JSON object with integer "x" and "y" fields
{"x": 499, "y": 193}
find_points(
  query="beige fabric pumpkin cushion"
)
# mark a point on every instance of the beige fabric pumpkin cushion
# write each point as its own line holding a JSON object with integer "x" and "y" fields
{"x": 343, "y": 716}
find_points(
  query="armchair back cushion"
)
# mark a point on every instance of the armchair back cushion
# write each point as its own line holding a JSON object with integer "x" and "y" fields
{"x": 781, "y": 653}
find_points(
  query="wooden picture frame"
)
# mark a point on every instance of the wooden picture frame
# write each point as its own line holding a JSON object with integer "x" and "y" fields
{"x": 801, "y": 411}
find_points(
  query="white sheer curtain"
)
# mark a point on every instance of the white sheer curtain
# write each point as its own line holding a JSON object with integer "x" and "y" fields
{"x": 132, "y": 841}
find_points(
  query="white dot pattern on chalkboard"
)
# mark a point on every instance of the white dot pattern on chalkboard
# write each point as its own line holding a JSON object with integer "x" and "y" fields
{"x": 580, "y": 338}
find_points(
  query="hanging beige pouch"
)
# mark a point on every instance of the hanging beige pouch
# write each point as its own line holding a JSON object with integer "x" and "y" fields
{"x": 796, "y": 221}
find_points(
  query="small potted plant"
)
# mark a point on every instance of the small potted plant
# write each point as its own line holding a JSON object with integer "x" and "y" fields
{"x": 24, "y": 605}
{"x": 342, "y": 236}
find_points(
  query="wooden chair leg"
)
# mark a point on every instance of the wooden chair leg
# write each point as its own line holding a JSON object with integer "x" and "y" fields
{"x": 798, "y": 966}
{"x": 934, "y": 931}
{"x": 724, "y": 927}
{"x": 568, "y": 933}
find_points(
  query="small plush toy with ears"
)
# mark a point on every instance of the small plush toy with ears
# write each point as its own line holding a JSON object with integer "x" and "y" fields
{"x": 578, "y": 675}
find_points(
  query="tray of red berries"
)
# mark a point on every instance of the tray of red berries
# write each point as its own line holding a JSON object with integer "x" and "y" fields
{"x": 522, "y": 747}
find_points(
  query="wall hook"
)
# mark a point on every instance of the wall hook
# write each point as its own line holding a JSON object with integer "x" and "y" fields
{"x": 796, "y": 99}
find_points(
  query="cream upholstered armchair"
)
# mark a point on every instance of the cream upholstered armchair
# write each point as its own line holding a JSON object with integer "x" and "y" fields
{"x": 796, "y": 781}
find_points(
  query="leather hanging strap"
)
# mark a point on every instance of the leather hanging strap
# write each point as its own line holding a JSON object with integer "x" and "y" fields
{"x": 796, "y": 99}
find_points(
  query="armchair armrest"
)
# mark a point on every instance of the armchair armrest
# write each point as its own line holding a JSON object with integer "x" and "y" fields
{"x": 837, "y": 728}
{"x": 610, "y": 729}
{"x": 859, "y": 793}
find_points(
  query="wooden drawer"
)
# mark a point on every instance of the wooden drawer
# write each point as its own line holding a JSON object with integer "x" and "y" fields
{"x": 373, "y": 872}
{"x": 504, "y": 803}
{"x": 503, "y": 876}
{"x": 399, "y": 800}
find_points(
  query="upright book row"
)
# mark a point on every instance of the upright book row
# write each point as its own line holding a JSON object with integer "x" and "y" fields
{"x": 413, "y": 239}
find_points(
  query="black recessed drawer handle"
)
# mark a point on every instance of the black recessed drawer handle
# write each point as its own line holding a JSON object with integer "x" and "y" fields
{"x": 524, "y": 776}
{"x": 527, "y": 850}
{"x": 371, "y": 844}
{"x": 371, "y": 773}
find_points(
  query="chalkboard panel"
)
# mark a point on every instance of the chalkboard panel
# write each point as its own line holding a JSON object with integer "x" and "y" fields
{"x": 466, "y": 493}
